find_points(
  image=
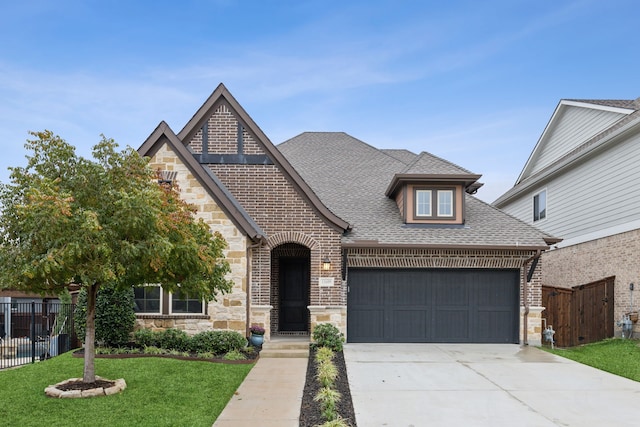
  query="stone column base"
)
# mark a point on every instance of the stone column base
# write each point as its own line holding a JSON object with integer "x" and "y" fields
{"x": 336, "y": 315}
{"x": 534, "y": 326}
{"x": 261, "y": 315}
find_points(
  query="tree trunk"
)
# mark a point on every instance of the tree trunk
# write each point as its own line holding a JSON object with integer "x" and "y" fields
{"x": 89, "y": 374}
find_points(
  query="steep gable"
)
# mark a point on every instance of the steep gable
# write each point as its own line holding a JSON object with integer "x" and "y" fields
{"x": 230, "y": 144}
{"x": 573, "y": 123}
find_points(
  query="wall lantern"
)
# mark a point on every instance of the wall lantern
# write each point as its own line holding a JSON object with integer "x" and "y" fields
{"x": 326, "y": 264}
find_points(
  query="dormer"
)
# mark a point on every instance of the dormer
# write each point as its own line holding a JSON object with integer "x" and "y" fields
{"x": 431, "y": 191}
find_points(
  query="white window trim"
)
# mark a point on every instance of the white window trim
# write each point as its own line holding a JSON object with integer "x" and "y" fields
{"x": 451, "y": 213}
{"x": 184, "y": 314}
{"x": 161, "y": 300}
{"x": 422, "y": 215}
{"x": 546, "y": 204}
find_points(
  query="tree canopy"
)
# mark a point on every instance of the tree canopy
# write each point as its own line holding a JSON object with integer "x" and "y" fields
{"x": 65, "y": 219}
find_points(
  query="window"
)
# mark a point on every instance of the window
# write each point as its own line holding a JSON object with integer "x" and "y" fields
{"x": 147, "y": 299}
{"x": 423, "y": 202}
{"x": 181, "y": 303}
{"x": 445, "y": 202}
{"x": 434, "y": 204}
{"x": 540, "y": 206}
{"x": 151, "y": 299}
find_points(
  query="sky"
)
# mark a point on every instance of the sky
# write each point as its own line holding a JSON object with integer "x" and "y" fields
{"x": 474, "y": 82}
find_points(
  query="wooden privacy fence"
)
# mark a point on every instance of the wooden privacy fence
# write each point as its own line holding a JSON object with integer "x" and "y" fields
{"x": 580, "y": 315}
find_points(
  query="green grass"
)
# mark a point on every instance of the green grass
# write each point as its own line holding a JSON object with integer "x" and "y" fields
{"x": 160, "y": 392}
{"x": 618, "y": 356}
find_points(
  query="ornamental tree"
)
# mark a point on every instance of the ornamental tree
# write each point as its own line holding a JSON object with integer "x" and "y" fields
{"x": 65, "y": 219}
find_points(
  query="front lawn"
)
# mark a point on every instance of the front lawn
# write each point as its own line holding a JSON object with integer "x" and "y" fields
{"x": 160, "y": 392}
{"x": 618, "y": 356}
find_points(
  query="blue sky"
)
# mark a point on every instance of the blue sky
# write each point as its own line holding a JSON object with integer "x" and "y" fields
{"x": 474, "y": 82}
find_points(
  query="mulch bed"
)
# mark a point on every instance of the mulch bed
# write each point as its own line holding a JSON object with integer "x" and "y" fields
{"x": 252, "y": 357}
{"x": 81, "y": 385}
{"x": 310, "y": 414}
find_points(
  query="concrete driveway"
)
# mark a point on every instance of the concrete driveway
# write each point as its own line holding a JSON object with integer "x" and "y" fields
{"x": 483, "y": 385}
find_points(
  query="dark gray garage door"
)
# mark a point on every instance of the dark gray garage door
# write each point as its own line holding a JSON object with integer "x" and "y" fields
{"x": 433, "y": 305}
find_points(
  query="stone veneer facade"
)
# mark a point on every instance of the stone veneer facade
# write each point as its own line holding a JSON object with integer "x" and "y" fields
{"x": 230, "y": 311}
{"x": 588, "y": 262}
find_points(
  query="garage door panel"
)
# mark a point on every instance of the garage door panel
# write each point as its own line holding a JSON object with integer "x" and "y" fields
{"x": 452, "y": 325}
{"x": 410, "y": 325}
{"x": 494, "y": 324}
{"x": 433, "y": 305}
{"x": 367, "y": 325}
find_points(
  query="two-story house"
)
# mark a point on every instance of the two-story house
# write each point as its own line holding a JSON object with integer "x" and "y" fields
{"x": 581, "y": 183}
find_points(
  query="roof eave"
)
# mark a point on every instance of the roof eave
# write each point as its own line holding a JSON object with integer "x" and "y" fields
{"x": 374, "y": 244}
{"x": 400, "y": 178}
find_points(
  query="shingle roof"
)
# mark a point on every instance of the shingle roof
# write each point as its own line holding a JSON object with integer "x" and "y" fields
{"x": 631, "y": 104}
{"x": 405, "y": 156}
{"x": 350, "y": 177}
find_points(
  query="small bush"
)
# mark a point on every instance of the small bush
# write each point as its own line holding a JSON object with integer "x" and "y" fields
{"x": 323, "y": 354}
{"x": 235, "y": 355}
{"x": 174, "y": 339}
{"x": 327, "y": 374}
{"x": 146, "y": 337}
{"x": 327, "y": 335}
{"x": 328, "y": 398}
{"x": 153, "y": 350}
{"x": 206, "y": 355}
{"x": 217, "y": 342}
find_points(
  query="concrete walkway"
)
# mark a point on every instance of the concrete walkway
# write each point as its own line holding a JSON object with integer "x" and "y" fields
{"x": 483, "y": 385}
{"x": 270, "y": 395}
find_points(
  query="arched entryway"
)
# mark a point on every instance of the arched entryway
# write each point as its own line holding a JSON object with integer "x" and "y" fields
{"x": 290, "y": 285}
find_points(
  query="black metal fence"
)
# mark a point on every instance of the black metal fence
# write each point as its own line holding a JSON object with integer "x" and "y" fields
{"x": 35, "y": 331}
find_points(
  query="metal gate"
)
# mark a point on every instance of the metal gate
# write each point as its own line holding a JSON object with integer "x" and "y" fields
{"x": 34, "y": 331}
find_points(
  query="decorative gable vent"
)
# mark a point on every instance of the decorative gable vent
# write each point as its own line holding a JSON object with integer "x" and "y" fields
{"x": 166, "y": 177}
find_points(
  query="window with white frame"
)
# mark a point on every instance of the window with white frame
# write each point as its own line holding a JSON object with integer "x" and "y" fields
{"x": 423, "y": 203}
{"x": 148, "y": 299}
{"x": 445, "y": 203}
{"x": 182, "y": 303}
{"x": 540, "y": 206}
{"x": 434, "y": 203}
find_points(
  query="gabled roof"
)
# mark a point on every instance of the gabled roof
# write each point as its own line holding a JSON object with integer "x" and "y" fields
{"x": 225, "y": 200}
{"x": 429, "y": 168}
{"x": 222, "y": 95}
{"x": 351, "y": 176}
{"x": 629, "y": 117}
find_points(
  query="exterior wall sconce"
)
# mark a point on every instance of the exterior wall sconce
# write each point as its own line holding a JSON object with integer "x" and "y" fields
{"x": 326, "y": 264}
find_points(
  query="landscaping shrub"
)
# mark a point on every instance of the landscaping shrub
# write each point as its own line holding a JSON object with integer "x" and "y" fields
{"x": 327, "y": 335}
{"x": 146, "y": 337}
{"x": 217, "y": 342}
{"x": 115, "y": 315}
{"x": 174, "y": 339}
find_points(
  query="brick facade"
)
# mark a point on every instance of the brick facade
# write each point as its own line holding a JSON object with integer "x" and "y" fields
{"x": 278, "y": 207}
{"x": 587, "y": 262}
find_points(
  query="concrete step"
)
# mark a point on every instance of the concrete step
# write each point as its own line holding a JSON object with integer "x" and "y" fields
{"x": 286, "y": 347}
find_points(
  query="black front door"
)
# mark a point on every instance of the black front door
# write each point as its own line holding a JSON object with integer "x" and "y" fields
{"x": 294, "y": 294}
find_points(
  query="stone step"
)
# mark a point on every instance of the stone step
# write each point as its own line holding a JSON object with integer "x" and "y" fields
{"x": 289, "y": 354}
{"x": 280, "y": 347}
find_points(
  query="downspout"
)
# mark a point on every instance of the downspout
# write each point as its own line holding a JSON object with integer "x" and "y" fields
{"x": 525, "y": 296}
{"x": 250, "y": 248}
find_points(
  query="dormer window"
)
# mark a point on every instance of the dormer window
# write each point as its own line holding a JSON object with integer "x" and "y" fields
{"x": 434, "y": 203}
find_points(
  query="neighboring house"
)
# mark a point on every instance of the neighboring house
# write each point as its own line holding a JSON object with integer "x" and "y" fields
{"x": 388, "y": 245}
{"x": 581, "y": 183}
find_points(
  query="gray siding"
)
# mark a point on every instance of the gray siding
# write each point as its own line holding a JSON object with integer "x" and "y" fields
{"x": 599, "y": 193}
{"x": 575, "y": 126}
